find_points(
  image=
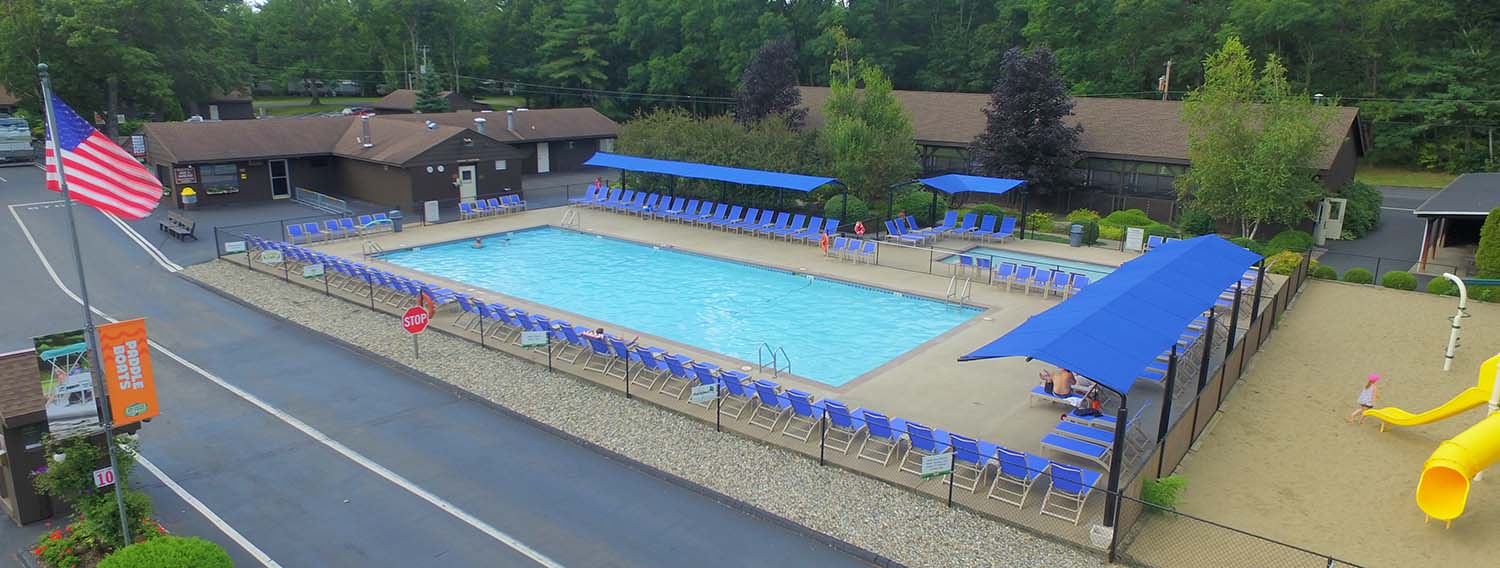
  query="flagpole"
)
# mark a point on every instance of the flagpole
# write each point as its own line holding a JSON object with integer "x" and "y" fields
{"x": 101, "y": 393}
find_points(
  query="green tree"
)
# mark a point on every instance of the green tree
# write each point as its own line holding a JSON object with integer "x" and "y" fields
{"x": 1025, "y": 135}
{"x": 1487, "y": 257}
{"x": 1251, "y": 140}
{"x": 769, "y": 86}
{"x": 575, "y": 46}
{"x": 430, "y": 96}
{"x": 304, "y": 39}
{"x": 867, "y": 136}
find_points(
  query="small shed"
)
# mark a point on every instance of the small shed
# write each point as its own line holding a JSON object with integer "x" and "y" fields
{"x": 404, "y": 101}
{"x": 8, "y": 102}
{"x": 1452, "y": 219}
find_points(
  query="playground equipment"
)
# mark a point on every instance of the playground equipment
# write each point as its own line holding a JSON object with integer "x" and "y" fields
{"x": 1443, "y": 489}
{"x": 1463, "y": 312}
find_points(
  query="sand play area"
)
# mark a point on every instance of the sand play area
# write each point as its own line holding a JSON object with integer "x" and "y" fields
{"x": 1281, "y": 462}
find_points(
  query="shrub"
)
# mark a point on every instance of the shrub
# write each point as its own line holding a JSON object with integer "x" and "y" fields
{"x": 1160, "y": 230}
{"x": 1128, "y": 218}
{"x": 1283, "y": 263}
{"x": 1485, "y": 293}
{"x": 1487, "y": 258}
{"x": 1399, "y": 280}
{"x": 1196, "y": 223}
{"x": 1359, "y": 276}
{"x": 1441, "y": 287}
{"x": 1362, "y": 215}
{"x": 1111, "y": 232}
{"x": 1163, "y": 492}
{"x": 918, "y": 204}
{"x": 1325, "y": 273}
{"x": 1039, "y": 221}
{"x": 1250, "y": 244}
{"x": 1290, "y": 239}
{"x": 858, "y": 209}
{"x": 1082, "y": 215}
{"x": 170, "y": 552}
{"x": 983, "y": 209}
{"x": 1090, "y": 232}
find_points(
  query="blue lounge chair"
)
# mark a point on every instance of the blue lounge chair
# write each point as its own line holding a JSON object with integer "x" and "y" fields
{"x": 837, "y": 248}
{"x": 814, "y": 235}
{"x": 611, "y": 197}
{"x": 770, "y": 405}
{"x": 1154, "y": 241}
{"x": 894, "y": 232}
{"x": 1085, "y": 433}
{"x": 347, "y": 225}
{"x": 965, "y": 264}
{"x": 967, "y": 227}
{"x": 806, "y": 415}
{"x": 1058, "y": 284}
{"x": 851, "y": 250}
{"x": 782, "y": 219}
{"x": 381, "y": 219}
{"x": 365, "y": 221}
{"x": 1003, "y": 273}
{"x": 484, "y": 208}
{"x": 601, "y": 357}
{"x": 1076, "y": 447}
{"x": 950, "y": 222}
{"x": 736, "y": 214}
{"x": 466, "y": 309}
{"x": 588, "y": 196}
{"x": 513, "y": 201}
{"x": 1007, "y": 230}
{"x": 651, "y": 203}
{"x": 719, "y": 212}
{"x": 884, "y": 436}
{"x": 1018, "y": 471}
{"x": 575, "y": 345}
{"x": 971, "y": 459}
{"x": 983, "y": 266}
{"x": 814, "y": 227}
{"x": 692, "y": 205}
{"x": 986, "y": 228}
{"x": 1077, "y": 284}
{"x": 294, "y": 232}
{"x": 843, "y": 426}
{"x": 666, "y": 206}
{"x": 312, "y": 231}
{"x": 736, "y": 395}
{"x": 681, "y": 377}
{"x": 623, "y": 357}
{"x": 1022, "y": 277}
{"x": 705, "y": 374}
{"x": 621, "y": 201}
{"x": 752, "y": 217}
{"x": 1040, "y": 280}
{"x": 798, "y": 224}
{"x": 914, "y": 229}
{"x": 1070, "y": 489}
{"x": 691, "y": 215}
{"x": 867, "y": 254}
{"x": 497, "y": 206}
{"x": 923, "y": 441}
{"x": 331, "y": 227}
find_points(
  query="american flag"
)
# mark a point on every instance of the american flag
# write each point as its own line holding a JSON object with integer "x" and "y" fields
{"x": 100, "y": 172}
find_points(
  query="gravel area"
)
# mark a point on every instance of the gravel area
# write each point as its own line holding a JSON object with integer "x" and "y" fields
{"x": 895, "y": 523}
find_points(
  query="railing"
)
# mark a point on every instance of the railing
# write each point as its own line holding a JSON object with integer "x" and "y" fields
{"x": 1379, "y": 266}
{"x": 765, "y": 353}
{"x": 317, "y": 200}
{"x": 571, "y": 218}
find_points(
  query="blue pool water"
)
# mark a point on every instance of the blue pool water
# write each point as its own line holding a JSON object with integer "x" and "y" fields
{"x": 831, "y": 331}
{"x": 1093, "y": 271}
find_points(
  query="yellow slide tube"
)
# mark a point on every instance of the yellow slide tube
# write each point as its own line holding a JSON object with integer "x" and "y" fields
{"x": 1443, "y": 489}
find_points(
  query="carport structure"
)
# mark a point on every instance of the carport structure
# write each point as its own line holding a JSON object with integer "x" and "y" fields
{"x": 1453, "y": 217}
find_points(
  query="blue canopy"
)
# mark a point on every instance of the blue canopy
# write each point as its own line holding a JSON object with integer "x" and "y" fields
{"x": 708, "y": 171}
{"x": 959, "y": 183}
{"x": 73, "y": 349}
{"x": 1112, "y": 330}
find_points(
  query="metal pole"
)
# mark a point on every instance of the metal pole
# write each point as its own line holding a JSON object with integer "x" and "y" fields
{"x": 822, "y": 435}
{"x": 1112, "y": 499}
{"x": 718, "y": 406}
{"x": 549, "y": 360}
{"x": 101, "y": 392}
{"x": 1455, "y": 326}
{"x": 844, "y": 208}
{"x": 415, "y": 352}
{"x": 481, "y": 328}
{"x": 370, "y": 282}
{"x": 1234, "y": 319}
{"x": 1260, "y": 279}
{"x": 325, "y": 281}
{"x": 1025, "y": 200}
{"x": 932, "y": 218}
{"x": 1166, "y": 407}
{"x": 950, "y": 486}
{"x": 627, "y": 369}
{"x": 1208, "y": 352}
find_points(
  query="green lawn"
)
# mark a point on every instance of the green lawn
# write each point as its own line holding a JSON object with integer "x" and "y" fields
{"x": 1386, "y": 175}
{"x": 304, "y": 99}
{"x": 500, "y": 102}
{"x": 302, "y": 109}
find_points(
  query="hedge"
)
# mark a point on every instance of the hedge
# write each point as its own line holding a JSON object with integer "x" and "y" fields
{"x": 858, "y": 209}
{"x": 1325, "y": 273}
{"x": 1082, "y": 215}
{"x": 918, "y": 204}
{"x": 1290, "y": 239}
{"x": 1090, "y": 232}
{"x": 1196, "y": 223}
{"x": 1250, "y": 244}
{"x": 1487, "y": 257}
{"x": 1112, "y": 233}
{"x": 169, "y": 552}
{"x": 1362, "y": 214}
{"x": 1359, "y": 276}
{"x": 1283, "y": 263}
{"x": 1039, "y": 221}
{"x": 1399, "y": 280}
{"x": 1127, "y": 218}
{"x": 1442, "y": 287}
{"x": 1160, "y": 230}
{"x": 983, "y": 209}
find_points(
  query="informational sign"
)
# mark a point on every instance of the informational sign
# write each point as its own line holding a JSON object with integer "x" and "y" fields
{"x": 940, "y": 464}
{"x": 533, "y": 339}
{"x": 312, "y": 271}
{"x": 430, "y": 211}
{"x": 67, "y": 384}
{"x": 233, "y": 247}
{"x": 126, "y": 357}
{"x": 138, "y": 145}
{"x": 184, "y": 174}
{"x": 415, "y": 320}
{"x": 1135, "y": 239}
{"x": 104, "y": 477}
{"x": 704, "y": 393}
{"x": 271, "y": 257}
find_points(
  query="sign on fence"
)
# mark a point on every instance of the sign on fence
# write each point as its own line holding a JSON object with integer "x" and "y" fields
{"x": 233, "y": 247}
{"x": 1135, "y": 239}
{"x": 312, "y": 271}
{"x": 271, "y": 257}
{"x": 104, "y": 477}
{"x": 933, "y": 466}
{"x": 704, "y": 393}
{"x": 533, "y": 339}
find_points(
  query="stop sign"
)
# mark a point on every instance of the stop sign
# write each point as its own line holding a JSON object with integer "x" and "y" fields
{"x": 415, "y": 320}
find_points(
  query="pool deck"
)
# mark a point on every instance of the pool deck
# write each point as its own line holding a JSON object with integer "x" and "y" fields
{"x": 985, "y": 399}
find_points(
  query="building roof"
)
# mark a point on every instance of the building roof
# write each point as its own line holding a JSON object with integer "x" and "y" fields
{"x": 406, "y": 100}
{"x": 7, "y": 99}
{"x": 537, "y": 125}
{"x": 396, "y": 142}
{"x": 235, "y": 96}
{"x": 1469, "y": 195}
{"x": 1139, "y": 129}
{"x": 20, "y": 391}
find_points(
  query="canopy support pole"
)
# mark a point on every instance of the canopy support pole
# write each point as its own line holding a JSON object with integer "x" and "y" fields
{"x": 1260, "y": 279}
{"x": 1166, "y": 407}
{"x": 844, "y": 209}
{"x": 1112, "y": 494}
{"x": 1208, "y": 354}
{"x": 932, "y": 211}
{"x": 1234, "y": 319}
{"x": 1025, "y": 200}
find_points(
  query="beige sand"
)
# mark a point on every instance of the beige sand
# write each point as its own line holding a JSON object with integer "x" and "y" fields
{"x": 1281, "y": 462}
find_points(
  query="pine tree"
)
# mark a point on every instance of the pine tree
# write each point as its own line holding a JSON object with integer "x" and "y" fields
{"x": 769, "y": 86}
{"x": 1025, "y": 137}
{"x": 430, "y": 96}
{"x": 1487, "y": 258}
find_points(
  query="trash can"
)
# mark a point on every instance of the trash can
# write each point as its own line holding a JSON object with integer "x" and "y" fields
{"x": 189, "y": 198}
{"x": 395, "y": 216}
{"x": 1075, "y": 235}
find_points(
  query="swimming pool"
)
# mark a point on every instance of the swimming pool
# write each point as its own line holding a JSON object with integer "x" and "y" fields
{"x": 1093, "y": 271}
{"x": 831, "y": 331}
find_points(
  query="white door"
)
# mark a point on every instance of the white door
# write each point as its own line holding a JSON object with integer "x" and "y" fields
{"x": 543, "y": 158}
{"x": 213, "y": 112}
{"x": 281, "y": 179}
{"x": 1333, "y": 217}
{"x": 467, "y": 185}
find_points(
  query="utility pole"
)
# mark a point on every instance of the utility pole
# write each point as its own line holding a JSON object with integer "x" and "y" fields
{"x": 1165, "y": 82}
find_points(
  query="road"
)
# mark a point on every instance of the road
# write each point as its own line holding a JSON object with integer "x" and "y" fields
{"x": 320, "y": 456}
{"x": 1394, "y": 244}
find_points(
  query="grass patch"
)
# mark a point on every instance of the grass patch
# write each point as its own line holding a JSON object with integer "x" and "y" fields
{"x": 301, "y": 109}
{"x": 1401, "y": 177}
{"x": 501, "y": 102}
{"x": 306, "y": 99}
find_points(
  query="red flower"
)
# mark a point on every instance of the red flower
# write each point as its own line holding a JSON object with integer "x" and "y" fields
{"x": 39, "y": 550}
{"x": 69, "y": 550}
{"x": 56, "y": 535}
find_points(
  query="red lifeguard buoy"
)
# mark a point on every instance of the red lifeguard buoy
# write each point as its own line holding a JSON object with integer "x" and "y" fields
{"x": 823, "y": 242}
{"x": 859, "y": 228}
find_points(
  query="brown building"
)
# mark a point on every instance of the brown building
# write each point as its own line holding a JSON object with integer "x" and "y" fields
{"x": 1132, "y": 149}
{"x": 404, "y": 101}
{"x": 23, "y": 421}
{"x": 554, "y": 139}
{"x": 230, "y": 106}
{"x": 395, "y": 163}
{"x": 8, "y": 102}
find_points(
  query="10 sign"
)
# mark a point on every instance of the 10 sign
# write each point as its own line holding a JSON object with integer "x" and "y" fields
{"x": 103, "y": 477}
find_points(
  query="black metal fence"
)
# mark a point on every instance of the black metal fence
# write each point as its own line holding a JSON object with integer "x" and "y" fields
{"x": 1379, "y": 266}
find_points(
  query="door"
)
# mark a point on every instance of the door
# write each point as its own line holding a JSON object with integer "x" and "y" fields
{"x": 281, "y": 180}
{"x": 543, "y": 158}
{"x": 213, "y": 112}
{"x": 467, "y": 185}
{"x": 1333, "y": 217}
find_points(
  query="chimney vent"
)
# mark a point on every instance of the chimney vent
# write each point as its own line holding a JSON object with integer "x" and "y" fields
{"x": 510, "y": 120}
{"x": 479, "y": 124}
{"x": 365, "y": 141}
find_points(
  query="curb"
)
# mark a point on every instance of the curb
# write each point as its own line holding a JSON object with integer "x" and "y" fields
{"x": 748, "y": 509}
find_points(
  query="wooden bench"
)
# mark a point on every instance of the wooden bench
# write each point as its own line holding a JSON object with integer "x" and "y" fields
{"x": 179, "y": 226}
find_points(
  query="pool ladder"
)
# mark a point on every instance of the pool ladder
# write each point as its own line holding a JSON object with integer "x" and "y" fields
{"x": 775, "y": 356}
{"x": 371, "y": 247}
{"x": 570, "y": 218}
{"x": 957, "y": 294}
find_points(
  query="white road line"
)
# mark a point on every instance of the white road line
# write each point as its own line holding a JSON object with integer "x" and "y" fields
{"x": 207, "y": 513}
{"x": 155, "y": 253}
{"x": 38, "y": 203}
{"x": 1398, "y": 209}
{"x": 311, "y": 432}
{"x": 3, "y": 180}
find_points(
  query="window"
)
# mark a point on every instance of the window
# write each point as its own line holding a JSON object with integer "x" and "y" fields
{"x": 219, "y": 178}
{"x": 501, "y": 165}
{"x": 606, "y": 144}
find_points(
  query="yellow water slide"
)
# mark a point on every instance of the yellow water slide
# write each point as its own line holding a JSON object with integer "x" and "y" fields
{"x": 1443, "y": 489}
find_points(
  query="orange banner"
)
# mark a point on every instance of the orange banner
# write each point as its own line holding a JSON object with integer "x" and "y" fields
{"x": 127, "y": 371}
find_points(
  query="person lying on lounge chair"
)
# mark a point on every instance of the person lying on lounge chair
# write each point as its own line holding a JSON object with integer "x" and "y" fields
{"x": 599, "y": 334}
{"x": 1059, "y": 383}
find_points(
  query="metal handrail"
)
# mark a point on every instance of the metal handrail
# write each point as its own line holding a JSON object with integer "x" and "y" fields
{"x": 371, "y": 247}
{"x": 766, "y": 351}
